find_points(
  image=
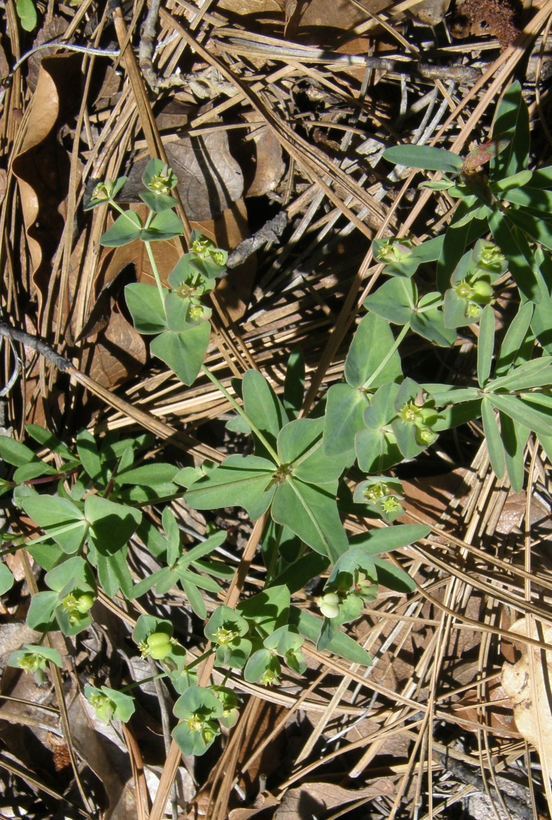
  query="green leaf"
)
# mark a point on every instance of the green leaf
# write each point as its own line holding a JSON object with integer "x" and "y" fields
{"x": 194, "y": 598}
{"x": 311, "y": 513}
{"x": 485, "y": 345}
{"x": 242, "y": 481}
{"x": 310, "y": 626}
{"x": 458, "y": 239}
{"x": 158, "y": 202}
{"x": 395, "y": 300}
{"x": 257, "y": 665}
{"x": 521, "y": 262}
{"x": 263, "y": 407}
{"x": 126, "y": 229}
{"x": 6, "y": 578}
{"x": 15, "y": 453}
{"x": 183, "y": 352}
{"x": 511, "y": 123}
{"x": 368, "y": 363}
{"x": 492, "y": 438}
{"x": 87, "y": 448}
{"x": 514, "y": 338}
{"x": 113, "y": 572}
{"x": 26, "y": 11}
{"x": 34, "y": 469}
{"x": 344, "y": 418}
{"x": 59, "y": 517}
{"x": 69, "y": 575}
{"x": 514, "y": 437}
{"x": 164, "y": 225}
{"x": 535, "y": 373}
{"x": 146, "y": 308}
{"x": 294, "y": 384}
{"x": 393, "y": 577}
{"x": 41, "y": 611}
{"x": 428, "y": 321}
{"x": 111, "y": 524}
{"x": 534, "y": 226}
{"x": 425, "y": 157}
{"x": 386, "y": 539}
{"x": 300, "y": 444}
{"x": 524, "y": 413}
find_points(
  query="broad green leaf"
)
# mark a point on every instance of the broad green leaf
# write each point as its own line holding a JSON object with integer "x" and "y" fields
{"x": 111, "y": 524}
{"x": 300, "y": 445}
{"x": 47, "y": 439}
{"x": 393, "y": 577}
{"x": 268, "y": 609}
{"x": 59, "y": 517}
{"x": 242, "y": 481}
{"x": 257, "y": 665}
{"x": 485, "y": 345}
{"x": 514, "y": 338}
{"x": 70, "y": 574}
{"x": 428, "y": 321}
{"x": 34, "y": 469}
{"x": 310, "y": 626}
{"x": 26, "y": 11}
{"x": 183, "y": 352}
{"x": 126, "y": 229}
{"x": 297, "y": 574}
{"x": 158, "y": 202}
{"x": 524, "y": 413}
{"x": 146, "y": 308}
{"x": 370, "y": 362}
{"x": 344, "y": 418}
{"x": 395, "y": 300}
{"x": 458, "y": 239}
{"x": 15, "y": 453}
{"x": 177, "y": 310}
{"x": 164, "y": 225}
{"x": 424, "y": 157}
{"x": 311, "y": 514}
{"x": 6, "y": 578}
{"x": 87, "y": 448}
{"x": 41, "y": 611}
{"x": 262, "y": 406}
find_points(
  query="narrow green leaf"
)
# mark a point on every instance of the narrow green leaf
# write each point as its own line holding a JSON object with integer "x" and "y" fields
{"x": 511, "y": 123}
{"x": 485, "y": 345}
{"x": 424, "y": 157}
{"x": 514, "y": 338}
{"x": 386, "y": 539}
{"x": 522, "y": 412}
{"x": 535, "y": 373}
{"x": 294, "y": 385}
{"x": 310, "y": 626}
{"x": 492, "y": 437}
{"x": 514, "y": 437}
{"x": 393, "y": 577}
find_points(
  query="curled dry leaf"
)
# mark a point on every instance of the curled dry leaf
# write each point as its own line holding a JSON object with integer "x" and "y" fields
{"x": 527, "y": 682}
{"x": 314, "y": 799}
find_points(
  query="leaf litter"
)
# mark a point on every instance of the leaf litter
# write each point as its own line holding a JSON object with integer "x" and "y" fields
{"x": 429, "y": 724}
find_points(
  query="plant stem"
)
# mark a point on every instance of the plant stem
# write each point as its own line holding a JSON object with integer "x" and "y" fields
{"x": 242, "y": 413}
{"x": 387, "y": 357}
{"x": 156, "y": 273}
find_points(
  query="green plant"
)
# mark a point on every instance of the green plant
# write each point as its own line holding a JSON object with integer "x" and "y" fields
{"x": 304, "y": 475}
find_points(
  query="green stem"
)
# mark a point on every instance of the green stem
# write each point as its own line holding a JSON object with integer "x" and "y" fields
{"x": 160, "y": 287}
{"x": 242, "y": 413}
{"x": 387, "y": 357}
